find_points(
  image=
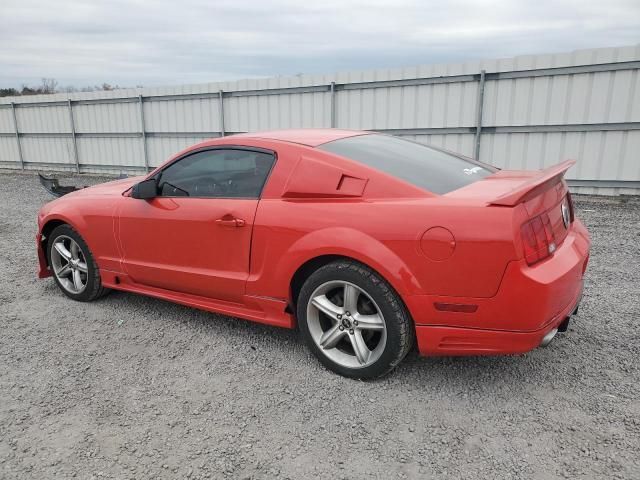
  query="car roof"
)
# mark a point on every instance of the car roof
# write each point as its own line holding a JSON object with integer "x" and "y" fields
{"x": 311, "y": 137}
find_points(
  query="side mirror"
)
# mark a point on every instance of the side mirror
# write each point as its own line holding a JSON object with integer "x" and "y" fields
{"x": 145, "y": 190}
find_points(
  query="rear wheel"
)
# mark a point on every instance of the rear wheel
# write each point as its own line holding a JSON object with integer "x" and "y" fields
{"x": 353, "y": 321}
{"x": 74, "y": 269}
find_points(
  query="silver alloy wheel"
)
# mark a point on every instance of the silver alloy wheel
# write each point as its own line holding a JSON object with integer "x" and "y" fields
{"x": 69, "y": 264}
{"x": 346, "y": 324}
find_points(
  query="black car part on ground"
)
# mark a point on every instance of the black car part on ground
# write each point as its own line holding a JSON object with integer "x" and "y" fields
{"x": 52, "y": 186}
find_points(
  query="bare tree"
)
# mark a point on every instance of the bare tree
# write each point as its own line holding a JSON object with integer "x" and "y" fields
{"x": 49, "y": 85}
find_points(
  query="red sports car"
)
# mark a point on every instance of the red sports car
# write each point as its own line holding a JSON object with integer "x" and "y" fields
{"x": 368, "y": 243}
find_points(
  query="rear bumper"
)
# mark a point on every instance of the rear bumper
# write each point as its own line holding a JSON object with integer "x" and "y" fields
{"x": 530, "y": 303}
{"x": 454, "y": 341}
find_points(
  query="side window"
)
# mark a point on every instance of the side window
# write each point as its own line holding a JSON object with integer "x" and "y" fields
{"x": 217, "y": 173}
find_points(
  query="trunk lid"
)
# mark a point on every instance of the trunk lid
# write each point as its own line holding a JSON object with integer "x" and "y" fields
{"x": 538, "y": 192}
{"x": 509, "y": 188}
{"x": 532, "y": 185}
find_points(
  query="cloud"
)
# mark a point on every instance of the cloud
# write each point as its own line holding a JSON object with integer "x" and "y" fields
{"x": 173, "y": 42}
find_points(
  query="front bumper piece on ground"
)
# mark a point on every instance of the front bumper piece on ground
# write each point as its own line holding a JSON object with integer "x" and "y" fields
{"x": 52, "y": 186}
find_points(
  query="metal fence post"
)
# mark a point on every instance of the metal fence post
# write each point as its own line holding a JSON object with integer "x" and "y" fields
{"x": 221, "y": 111}
{"x": 15, "y": 124}
{"x": 476, "y": 149}
{"x": 144, "y": 134}
{"x": 332, "y": 89}
{"x": 73, "y": 136}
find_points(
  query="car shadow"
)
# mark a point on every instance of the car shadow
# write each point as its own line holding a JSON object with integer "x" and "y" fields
{"x": 453, "y": 372}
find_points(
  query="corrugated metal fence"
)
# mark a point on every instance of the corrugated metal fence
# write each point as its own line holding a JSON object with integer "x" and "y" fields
{"x": 524, "y": 112}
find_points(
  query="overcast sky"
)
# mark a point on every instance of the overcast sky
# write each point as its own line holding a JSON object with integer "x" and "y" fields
{"x": 154, "y": 43}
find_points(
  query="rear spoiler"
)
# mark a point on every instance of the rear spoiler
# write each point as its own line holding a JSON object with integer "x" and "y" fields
{"x": 535, "y": 185}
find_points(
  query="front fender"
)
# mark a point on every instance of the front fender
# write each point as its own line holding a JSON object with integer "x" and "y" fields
{"x": 92, "y": 218}
{"x": 76, "y": 221}
{"x": 49, "y": 213}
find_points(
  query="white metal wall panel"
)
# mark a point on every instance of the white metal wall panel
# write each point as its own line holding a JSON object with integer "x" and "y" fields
{"x": 600, "y": 97}
{"x": 425, "y": 106}
{"x": 520, "y": 151}
{"x": 611, "y": 155}
{"x": 232, "y": 116}
{"x": 112, "y": 151}
{"x": 47, "y": 150}
{"x": 198, "y": 115}
{"x": 270, "y": 112}
{"x": 106, "y": 117}
{"x": 624, "y": 97}
{"x": 628, "y": 163}
{"x": 6, "y": 121}
{"x": 43, "y": 119}
{"x": 9, "y": 152}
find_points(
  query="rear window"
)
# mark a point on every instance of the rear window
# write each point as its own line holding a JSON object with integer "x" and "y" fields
{"x": 425, "y": 167}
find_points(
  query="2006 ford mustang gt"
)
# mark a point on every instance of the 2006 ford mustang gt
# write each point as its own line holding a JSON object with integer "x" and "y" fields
{"x": 368, "y": 243}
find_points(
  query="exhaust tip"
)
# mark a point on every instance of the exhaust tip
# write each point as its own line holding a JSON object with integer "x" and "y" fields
{"x": 546, "y": 340}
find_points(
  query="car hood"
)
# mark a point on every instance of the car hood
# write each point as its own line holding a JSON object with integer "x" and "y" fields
{"x": 116, "y": 187}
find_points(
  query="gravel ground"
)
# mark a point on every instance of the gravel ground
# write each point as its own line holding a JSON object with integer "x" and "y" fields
{"x": 132, "y": 387}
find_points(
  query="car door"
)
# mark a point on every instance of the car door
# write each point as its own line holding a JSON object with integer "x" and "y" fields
{"x": 195, "y": 236}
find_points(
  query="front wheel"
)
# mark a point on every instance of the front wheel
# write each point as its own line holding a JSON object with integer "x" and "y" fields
{"x": 353, "y": 321}
{"x": 74, "y": 269}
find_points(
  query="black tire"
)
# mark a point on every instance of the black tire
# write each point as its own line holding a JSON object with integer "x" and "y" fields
{"x": 93, "y": 289}
{"x": 400, "y": 332}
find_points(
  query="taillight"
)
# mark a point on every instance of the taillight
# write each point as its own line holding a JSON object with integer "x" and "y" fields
{"x": 538, "y": 239}
{"x": 572, "y": 215}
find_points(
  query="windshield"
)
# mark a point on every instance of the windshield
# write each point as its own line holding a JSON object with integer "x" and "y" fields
{"x": 425, "y": 167}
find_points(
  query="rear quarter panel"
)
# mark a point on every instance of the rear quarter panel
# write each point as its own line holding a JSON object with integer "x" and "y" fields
{"x": 384, "y": 234}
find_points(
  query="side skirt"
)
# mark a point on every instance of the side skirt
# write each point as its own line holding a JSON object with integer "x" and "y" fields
{"x": 266, "y": 310}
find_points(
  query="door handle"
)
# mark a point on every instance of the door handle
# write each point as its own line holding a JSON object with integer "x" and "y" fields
{"x": 229, "y": 221}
